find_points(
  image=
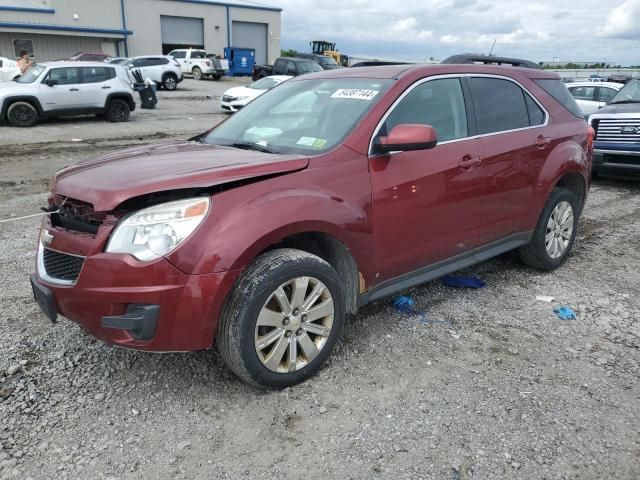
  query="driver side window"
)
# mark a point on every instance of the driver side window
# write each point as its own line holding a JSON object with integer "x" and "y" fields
{"x": 439, "y": 103}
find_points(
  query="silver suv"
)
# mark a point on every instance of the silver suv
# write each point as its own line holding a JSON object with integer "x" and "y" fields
{"x": 163, "y": 70}
{"x": 61, "y": 89}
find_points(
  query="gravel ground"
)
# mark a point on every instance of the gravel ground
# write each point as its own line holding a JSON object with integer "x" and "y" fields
{"x": 507, "y": 391}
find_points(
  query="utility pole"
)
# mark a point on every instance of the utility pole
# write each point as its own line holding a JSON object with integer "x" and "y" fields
{"x": 492, "y": 46}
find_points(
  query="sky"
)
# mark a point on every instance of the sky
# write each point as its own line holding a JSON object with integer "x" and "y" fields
{"x": 542, "y": 30}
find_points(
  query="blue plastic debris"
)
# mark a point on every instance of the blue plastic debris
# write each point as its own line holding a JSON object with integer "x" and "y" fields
{"x": 565, "y": 313}
{"x": 462, "y": 282}
{"x": 406, "y": 305}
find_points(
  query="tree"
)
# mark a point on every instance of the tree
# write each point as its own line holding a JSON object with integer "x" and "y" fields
{"x": 289, "y": 53}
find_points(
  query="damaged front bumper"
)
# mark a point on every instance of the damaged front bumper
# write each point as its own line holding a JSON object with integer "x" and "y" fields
{"x": 120, "y": 300}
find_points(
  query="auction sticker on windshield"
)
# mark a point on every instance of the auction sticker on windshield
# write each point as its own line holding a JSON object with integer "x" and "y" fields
{"x": 355, "y": 93}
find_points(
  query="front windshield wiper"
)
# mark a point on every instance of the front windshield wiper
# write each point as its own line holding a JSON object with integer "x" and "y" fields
{"x": 250, "y": 146}
{"x": 624, "y": 101}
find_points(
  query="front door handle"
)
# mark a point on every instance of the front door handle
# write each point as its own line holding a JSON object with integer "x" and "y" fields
{"x": 542, "y": 141}
{"x": 74, "y": 90}
{"x": 469, "y": 161}
{"x": 106, "y": 87}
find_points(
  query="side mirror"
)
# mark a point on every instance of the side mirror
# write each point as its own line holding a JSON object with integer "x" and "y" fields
{"x": 408, "y": 137}
{"x": 51, "y": 82}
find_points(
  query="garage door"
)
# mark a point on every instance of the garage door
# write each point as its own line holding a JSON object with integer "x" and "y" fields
{"x": 181, "y": 32}
{"x": 251, "y": 35}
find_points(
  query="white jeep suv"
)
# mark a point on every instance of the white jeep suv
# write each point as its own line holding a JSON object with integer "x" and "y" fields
{"x": 60, "y": 89}
{"x": 163, "y": 70}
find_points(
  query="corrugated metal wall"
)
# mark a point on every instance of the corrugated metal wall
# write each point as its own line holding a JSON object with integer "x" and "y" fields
{"x": 143, "y": 18}
{"x": 91, "y": 13}
{"x": 49, "y": 47}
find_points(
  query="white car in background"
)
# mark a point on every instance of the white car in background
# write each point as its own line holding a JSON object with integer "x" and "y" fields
{"x": 162, "y": 69}
{"x": 8, "y": 69}
{"x": 591, "y": 96}
{"x": 237, "y": 97}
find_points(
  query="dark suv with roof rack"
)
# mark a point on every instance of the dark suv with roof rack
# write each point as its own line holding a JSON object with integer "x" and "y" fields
{"x": 323, "y": 194}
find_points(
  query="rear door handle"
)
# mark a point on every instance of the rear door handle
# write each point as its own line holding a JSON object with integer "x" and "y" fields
{"x": 542, "y": 141}
{"x": 469, "y": 161}
{"x": 74, "y": 90}
{"x": 106, "y": 87}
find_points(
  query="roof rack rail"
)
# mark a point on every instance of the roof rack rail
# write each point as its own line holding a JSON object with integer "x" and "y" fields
{"x": 378, "y": 63}
{"x": 491, "y": 60}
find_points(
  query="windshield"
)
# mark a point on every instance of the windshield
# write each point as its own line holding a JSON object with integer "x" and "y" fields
{"x": 630, "y": 93}
{"x": 307, "y": 67}
{"x": 307, "y": 117}
{"x": 328, "y": 61}
{"x": 263, "y": 84}
{"x": 31, "y": 75}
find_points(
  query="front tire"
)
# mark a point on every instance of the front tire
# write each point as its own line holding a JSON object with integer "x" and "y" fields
{"x": 197, "y": 73}
{"x": 22, "y": 114}
{"x": 555, "y": 232}
{"x": 282, "y": 319}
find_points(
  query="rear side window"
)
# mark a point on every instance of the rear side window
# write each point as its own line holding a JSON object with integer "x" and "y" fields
{"x": 536, "y": 114}
{"x": 606, "y": 94}
{"x": 439, "y": 103}
{"x": 97, "y": 74}
{"x": 500, "y": 105}
{"x": 558, "y": 90}
{"x": 155, "y": 61}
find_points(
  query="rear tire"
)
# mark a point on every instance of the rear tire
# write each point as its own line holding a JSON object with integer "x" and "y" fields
{"x": 22, "y": 114}
{"x": 282, "y": 319}
{"x": 170, "y": 82}
{"x": 118, "y": 111}
{"x": 555, "y": 232}
{"x": 197, "y": 73}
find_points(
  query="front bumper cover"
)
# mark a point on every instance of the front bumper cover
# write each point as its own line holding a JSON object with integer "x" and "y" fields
{"x": 142, "y": 305}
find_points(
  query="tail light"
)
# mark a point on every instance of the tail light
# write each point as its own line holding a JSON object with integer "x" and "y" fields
{"x": 591, "y": 134}
{"x": 208, "y": 62}
{"x": 176, "y": 63}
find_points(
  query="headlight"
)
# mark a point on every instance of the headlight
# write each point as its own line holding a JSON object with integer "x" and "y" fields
{"x": 241, "y": 98}
{"x": 153, "y": 232}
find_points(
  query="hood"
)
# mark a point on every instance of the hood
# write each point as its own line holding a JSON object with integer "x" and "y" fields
{"x": 243, "y": 92}
{"x": 11, "y": 85}
{"x": 617, "y": 108}
{"x": 108, "y": 181}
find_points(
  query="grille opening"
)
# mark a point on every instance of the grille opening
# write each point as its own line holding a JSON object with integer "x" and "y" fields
{"x": 62, "y": 266}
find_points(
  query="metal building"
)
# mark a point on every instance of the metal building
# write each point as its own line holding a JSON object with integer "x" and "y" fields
{"x": 54, "y": 29}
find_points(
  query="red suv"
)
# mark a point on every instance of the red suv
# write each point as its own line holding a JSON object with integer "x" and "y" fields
{"x": 329, "y": 191}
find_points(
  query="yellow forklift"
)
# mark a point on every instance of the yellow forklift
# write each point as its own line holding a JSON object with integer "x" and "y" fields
{"x": 328, "y": 49}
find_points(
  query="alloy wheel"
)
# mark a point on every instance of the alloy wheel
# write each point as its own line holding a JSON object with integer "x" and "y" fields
{"x": 23, "y": 114}
{"x": 559, "y": 230}
{"x": 294, "y": 324}
{"x": 119, "y": 111}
